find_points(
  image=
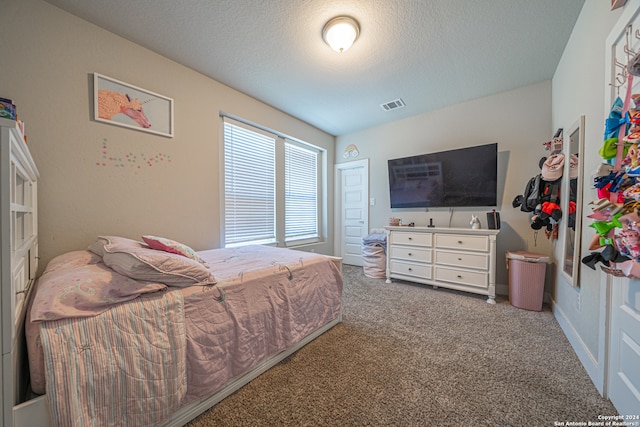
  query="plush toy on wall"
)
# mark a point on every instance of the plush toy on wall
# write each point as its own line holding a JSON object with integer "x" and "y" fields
{"x": 542, "y": 194}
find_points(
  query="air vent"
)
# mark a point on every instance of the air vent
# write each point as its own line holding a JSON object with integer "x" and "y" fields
{"x": 393, "y": 105}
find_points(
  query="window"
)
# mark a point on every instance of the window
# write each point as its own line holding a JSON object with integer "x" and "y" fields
{"x": 249, "y": 186}
{"x": 271, "y": 187}
{"x": 301, "y": 192}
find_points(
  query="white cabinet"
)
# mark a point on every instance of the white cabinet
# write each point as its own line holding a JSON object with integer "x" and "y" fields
{"x": 456, "y": 258}
{"x": 18, "y": 253}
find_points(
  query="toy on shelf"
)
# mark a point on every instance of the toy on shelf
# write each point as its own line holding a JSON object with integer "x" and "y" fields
{"x": 7, "y": 109}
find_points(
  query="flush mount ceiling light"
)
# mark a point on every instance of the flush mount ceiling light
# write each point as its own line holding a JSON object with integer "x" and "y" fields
{"x": 340, "y": 33}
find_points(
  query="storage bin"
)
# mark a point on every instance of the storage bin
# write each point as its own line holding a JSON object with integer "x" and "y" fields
{"x": 374, "y": 255}
{"x": 374, "y": 262}
{"x": 527, "y": 271}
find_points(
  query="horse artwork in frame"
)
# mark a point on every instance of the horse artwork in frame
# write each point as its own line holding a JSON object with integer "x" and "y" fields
{"x": 122, "y": 104}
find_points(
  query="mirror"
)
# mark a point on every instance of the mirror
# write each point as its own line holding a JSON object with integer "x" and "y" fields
{"x": 572, "y": 181}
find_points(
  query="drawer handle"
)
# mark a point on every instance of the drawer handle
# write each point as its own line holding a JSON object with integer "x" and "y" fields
{"x": 459, "y": 259}
{"x": 459, "y": 276}
{"x": 459, "y": 242}
{"x": 410, "y": 269}
{"x": 410, "y": 238}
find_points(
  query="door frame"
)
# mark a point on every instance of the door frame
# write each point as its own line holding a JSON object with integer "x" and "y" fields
{"x": 339, "y": 168}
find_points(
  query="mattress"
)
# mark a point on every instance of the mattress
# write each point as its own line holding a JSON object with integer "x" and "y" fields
{"x": 264, "y": 300}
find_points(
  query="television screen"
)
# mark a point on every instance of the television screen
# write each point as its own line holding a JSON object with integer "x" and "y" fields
{"x": 453, "y": 178}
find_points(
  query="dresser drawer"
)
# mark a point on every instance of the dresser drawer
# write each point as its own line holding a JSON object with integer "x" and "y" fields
{"x": 457, "y": 241}
{"x": 463, "y": 259}
{"x": 470, "y": 278}
{"x": 417, "y": 239}
{"x": 422, "y": 271}
{"x": 410, "y": 254}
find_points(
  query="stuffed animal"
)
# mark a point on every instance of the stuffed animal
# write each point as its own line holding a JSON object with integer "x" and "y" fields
{"x": 475, "y": 222}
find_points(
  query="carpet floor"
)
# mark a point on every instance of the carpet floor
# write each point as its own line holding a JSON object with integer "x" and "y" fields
{"x": 409, "y": 355}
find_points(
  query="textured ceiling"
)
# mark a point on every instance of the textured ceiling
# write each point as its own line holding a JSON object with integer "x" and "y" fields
{"x": 429, "y": 53}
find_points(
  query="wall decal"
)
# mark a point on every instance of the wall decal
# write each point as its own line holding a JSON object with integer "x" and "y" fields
{"x": 122, "y": 104}
{"x": 131, "y": 160}
{"x": 350, "y": 151}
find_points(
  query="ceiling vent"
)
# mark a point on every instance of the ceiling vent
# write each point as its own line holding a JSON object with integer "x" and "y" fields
{"x": 393, "y": 105}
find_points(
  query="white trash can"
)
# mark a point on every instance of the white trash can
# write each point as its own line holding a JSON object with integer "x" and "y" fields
{"x": 527, "y": 271}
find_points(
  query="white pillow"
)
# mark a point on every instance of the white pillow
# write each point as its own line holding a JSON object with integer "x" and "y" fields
{"x": 137, "y": 261}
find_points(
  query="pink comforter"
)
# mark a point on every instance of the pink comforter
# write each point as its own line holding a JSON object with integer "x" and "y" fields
{"x": 272, "y": 299}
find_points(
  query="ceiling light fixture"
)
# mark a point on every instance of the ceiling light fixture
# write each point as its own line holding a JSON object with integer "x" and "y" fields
{"x": 340, "y": 33}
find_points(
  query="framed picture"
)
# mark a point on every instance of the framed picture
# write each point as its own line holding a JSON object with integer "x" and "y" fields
{"x": 122, "y": 104}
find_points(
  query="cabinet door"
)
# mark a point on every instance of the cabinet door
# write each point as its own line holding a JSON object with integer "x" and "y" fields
{"x": 33, "y": 261}
{"x": 19, "y": 284}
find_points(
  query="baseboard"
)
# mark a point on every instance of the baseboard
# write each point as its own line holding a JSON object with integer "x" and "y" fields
{"x": 589, "y": 362}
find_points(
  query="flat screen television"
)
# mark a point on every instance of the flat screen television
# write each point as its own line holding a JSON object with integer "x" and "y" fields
{"x": 466, "y": 177}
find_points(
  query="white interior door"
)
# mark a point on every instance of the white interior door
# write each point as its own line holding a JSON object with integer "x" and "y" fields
{"x": 352, "y": 180}
{"x": 624, "y": 352}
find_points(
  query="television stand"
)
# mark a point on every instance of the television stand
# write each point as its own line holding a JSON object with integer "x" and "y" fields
{"x": 456, "y": 258}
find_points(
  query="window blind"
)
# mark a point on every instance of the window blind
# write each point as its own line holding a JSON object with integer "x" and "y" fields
{"x": 301, "y": 192}
{"x": 249, "y": 186}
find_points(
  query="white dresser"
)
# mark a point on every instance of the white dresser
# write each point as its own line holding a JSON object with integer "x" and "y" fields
{"x": 456, "y": 258}
{"x": 18, "y": 256}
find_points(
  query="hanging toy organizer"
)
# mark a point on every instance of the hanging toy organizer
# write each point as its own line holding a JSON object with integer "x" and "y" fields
{"x": 541, "y": 197}
{"x": 616, "y": 213}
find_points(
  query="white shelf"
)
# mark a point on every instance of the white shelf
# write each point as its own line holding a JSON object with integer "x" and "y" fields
{"x": 18, "y": 255}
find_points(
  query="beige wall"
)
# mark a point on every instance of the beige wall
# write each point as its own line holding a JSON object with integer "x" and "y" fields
{"x": 518, "y": 120}
{"x": 48, "y": 57}
{"x": 578, "y": 89}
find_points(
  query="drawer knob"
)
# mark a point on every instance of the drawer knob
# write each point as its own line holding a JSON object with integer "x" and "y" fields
{"x": 410, "y": 269}
{"x": 410, "y": 254}
{"x": 410, "y": 238}
{"x": 459, "y": 242}
{"x": 459, "y": 276}
{"x": 459, "y": 259}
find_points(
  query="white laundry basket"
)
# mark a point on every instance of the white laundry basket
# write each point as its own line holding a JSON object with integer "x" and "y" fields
{"x": 374, "y": 261}
{"x": 374, "y": 254}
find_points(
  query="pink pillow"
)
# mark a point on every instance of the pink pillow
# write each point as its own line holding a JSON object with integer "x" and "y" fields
{"x": 137, "y": 261}
{"x": 171, "y": 246}
{"x": 71, "y": 260}
{"x": 84, "y": 291}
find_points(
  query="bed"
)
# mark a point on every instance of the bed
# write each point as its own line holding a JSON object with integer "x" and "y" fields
{"x": 152, "y": 333}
